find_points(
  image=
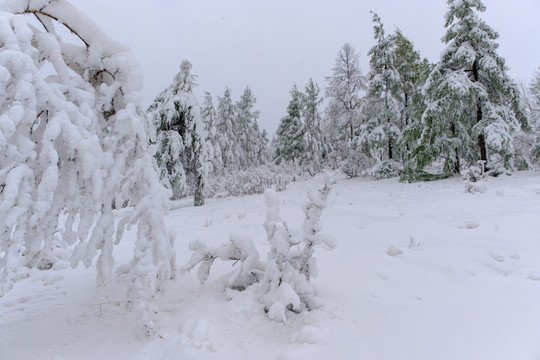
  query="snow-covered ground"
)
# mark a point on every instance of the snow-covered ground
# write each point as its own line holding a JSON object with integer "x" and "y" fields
{"x": 421, "y": 271}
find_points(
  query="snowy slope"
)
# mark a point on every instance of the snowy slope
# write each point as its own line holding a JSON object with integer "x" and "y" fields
{"x": 421, "y": 271}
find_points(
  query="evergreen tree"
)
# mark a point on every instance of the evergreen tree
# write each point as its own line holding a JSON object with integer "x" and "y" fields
{"x": 263, "y": 152}
{"x": 228, "y": 132}
{"x": 315, "y": 149}
{"x": 413, "y": 72}
{"x": 248, "y": 130}
{"x": 289, "y": 140}
{"x": 181, "y": 153}
{"x": 535, "y": 92}
{"x": 213, "y": 149}
{"x": 472, "y": 105}
{"x": 382, "y": 129}
{"x": 534, "y": 113}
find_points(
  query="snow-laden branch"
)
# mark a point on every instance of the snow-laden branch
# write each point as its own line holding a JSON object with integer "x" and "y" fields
{"x": 74, "y": 147}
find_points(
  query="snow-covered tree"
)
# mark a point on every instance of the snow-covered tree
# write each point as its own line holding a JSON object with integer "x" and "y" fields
{"x": 533, "y": 113}
{"x": 74, "y": 145}
{"x": 181, "y": 153}
{"x": 263, "y": 151}
{"x": 344, "y": 92}
{"x": 289, "y": 141}
{"x": 381, "y": 131}
{"x": 413, "y": 72}
{"x": 249, "y": 135}
{"x": 472, "y": 105}
{"x": 228, "y": 132}
{"x": 315, "y": 147}
{"x": 213, "y": 149}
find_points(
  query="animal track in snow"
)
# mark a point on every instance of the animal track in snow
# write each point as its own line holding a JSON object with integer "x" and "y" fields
{"x": 503, "y": 264}
{"x": 534, "y": 276}
{"x": 469, "y": 225}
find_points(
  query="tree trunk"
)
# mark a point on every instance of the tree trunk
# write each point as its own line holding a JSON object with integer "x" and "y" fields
{"x": 481, "y": 138}
{"x": 479, "y": 116}
{"x": 457, "y": 164}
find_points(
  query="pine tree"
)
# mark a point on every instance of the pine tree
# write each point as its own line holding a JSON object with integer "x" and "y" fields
{"x": 248, "y": 130}
{"x": 535, "y": 92}
{"x": 382, "y": 130}
{"x": 315, "y": 149}
{"x": 209, "y": 117}
{"x": 472, "y": 105}
{"x": 413, "y": 72}
{"x": 534, "y": 114}
{"x": 289, "y": 141}
{"x": 181, "y": 153}
{"x": 228, "y": 132}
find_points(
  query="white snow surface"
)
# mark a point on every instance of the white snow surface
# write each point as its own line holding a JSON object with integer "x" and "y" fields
{"x": 420, "y": 271}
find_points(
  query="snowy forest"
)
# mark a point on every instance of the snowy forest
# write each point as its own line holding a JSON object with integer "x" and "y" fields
{"x": 160, "y": 205}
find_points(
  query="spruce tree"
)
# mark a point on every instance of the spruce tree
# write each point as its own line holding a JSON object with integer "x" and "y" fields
{"x": 248, "y": 130}
{"x": 289, "y": 141}
{"x": 534, "y": 113}
{"x": 228, "y": 132}
{"x": 413, "y": 72}
{"x": 472, "y": 105}
{"x": 315, "y": 148}
{"x": 213, "y": 149}
{"x": 181, "y": 152}
{"x": 382, "y": 130}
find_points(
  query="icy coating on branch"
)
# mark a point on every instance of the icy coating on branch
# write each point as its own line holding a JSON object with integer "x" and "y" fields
{"x": 74, "y": 146}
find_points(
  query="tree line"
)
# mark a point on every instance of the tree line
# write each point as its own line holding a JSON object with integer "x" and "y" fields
{"x": 406, "y": 117}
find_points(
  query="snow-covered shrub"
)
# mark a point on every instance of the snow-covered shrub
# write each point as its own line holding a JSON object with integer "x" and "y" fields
{"x": 356, "y": 164}
{"x": 283, "y": 281}
{"x": 253, "y": 181}
{"x": 74, "y": 145}
{"x": 524, "y": 145}
{"x": 473, "y": 179}
{"x": 386, "y": 169}
{"x": 239, "y": 248}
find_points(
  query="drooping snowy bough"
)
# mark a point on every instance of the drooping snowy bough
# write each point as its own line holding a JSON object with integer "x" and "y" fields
{"x": 283, "y": 281}
{"x": 74, "y": 145}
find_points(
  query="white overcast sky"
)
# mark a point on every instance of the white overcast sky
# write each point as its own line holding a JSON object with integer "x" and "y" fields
{"x": 269, "y": 45}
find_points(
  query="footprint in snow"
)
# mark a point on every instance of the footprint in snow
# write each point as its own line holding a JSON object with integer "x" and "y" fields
{"x": 50, "y": 280}
{"x": 503, "y": 264}
{"x": 534, "y": 276}
{"x": 197, "y": 332}
{"x": 469, "y": 225}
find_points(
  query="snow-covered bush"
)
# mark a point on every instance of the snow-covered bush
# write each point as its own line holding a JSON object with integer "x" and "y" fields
{"x": 74, "y": 145}
{"x": 283, "y": 281}
{"x": 473, "y": 179}
{"x": 386, "y": 169}
{"x": 253, "y": 181}
{"x": 356, "y": 164}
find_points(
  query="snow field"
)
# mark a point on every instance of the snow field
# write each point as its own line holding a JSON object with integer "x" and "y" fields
{"x": 420, "y": 271}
